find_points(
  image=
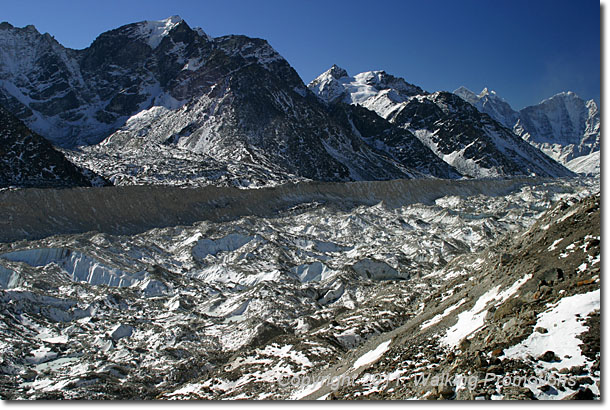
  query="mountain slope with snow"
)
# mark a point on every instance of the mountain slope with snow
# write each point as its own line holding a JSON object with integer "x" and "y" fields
{"x": 518, "y": 321}
{"x": 490, "y": 103}
{"x": 564, "y": 127}
{"x": 77, "y": 97}
{"x": 474, "y": 144}
{"x": 169, "y": 94}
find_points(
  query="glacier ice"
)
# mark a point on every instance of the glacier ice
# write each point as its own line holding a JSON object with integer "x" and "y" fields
{"x": 80, "y": 267}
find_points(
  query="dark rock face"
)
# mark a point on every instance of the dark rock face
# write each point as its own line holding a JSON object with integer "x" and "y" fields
{"x": 27, "y": 159}
{"x": 484, "y": 146}
{"x": 393, "y": 141}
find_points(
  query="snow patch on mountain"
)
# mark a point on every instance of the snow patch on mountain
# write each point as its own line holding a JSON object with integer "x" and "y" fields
{"x": 372, "y": 355}
{"x": 472, "y": 320}
{"x": 336, "y": 85}
{"x": 564, "y": 323}
{"x": 155, "y": 31}
{"x": 589, "y": 165}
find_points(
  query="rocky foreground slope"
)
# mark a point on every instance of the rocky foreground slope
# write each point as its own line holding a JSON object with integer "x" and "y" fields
{"x": 520, "y": 320}
{"x": 266, "y": 306}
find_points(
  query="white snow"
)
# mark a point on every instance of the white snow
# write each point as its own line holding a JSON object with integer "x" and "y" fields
{"x": 586, "y": 164}
{"x": 554, "y": 244}
{"x": 367, "y": 89}
{"x": 312, "y": 272}
{"x": 80, "y": 267}
{"x": 441, "y": 316}
{"x": 473, "y": 320}
{"x": 308, "y": 390}
{"x": 8, "y": 278}
{"x": 40, "y": 355}
{"x": 222, "y": 274}
{"x": 372, "y": 355}
{"x": 155, "y": 31}
{"x": 563, "y": 327}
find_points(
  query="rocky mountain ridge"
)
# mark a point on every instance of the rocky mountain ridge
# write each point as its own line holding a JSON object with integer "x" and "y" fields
{"x": 473, "y": 143}
{"x": 162, "y": 103}
{"x": 28, "y": 160}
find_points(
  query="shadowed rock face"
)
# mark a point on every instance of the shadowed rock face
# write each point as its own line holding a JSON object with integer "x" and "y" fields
{"x": 27, "y": 159}
{"x": 473, "y": 142}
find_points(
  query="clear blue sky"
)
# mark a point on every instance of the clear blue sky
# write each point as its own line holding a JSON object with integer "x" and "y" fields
{"x": 526, "y": 50}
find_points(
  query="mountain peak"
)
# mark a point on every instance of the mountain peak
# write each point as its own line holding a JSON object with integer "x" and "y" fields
{"x": 487, "y": 92}
{"x": 29, "y": 28}
{"x": 172, "y": 20}
{"x": 563, "y": 96}
{"x": 337, "y": 72}
{"x": 462, "y": 90}
{"x": 155, "y": 31}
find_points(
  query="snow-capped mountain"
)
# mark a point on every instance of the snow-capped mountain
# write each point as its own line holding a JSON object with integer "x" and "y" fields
{"x": 27, "y": 159}
{"x": 171, "y": 94}
{"x": 471, "y": 142}
{"x": 77, "y": 97}
{"x": 488, "y": 102}
{"x": 389, "y": 265}
{"x": 375, "y": 90}
{"x": 565, "y": 127}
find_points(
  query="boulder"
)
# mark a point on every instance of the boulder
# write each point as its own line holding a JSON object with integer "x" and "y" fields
{"x": 549, "y": 356}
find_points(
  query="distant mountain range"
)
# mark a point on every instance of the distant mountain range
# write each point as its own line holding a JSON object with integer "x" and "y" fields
{"x": 565, "y": 127}
{"x": 472, "y": 142}
{"x": 159, "y": 102}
